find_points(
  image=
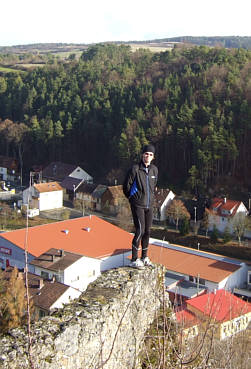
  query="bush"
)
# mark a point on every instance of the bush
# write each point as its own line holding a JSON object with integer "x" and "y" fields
{"x": 227, "y": 235}
{"x": 184, "y": 227}
{"x": 214, "y": 235}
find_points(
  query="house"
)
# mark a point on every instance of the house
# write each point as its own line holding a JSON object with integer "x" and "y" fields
{"x": 72, "y": 269}
{"x": 112, "y": 198}
{"x": 191, "y": 272}
{"x": 227, "y": 312}
{"x": 70, "y": 186}
{"x": 84, "y": 193}
{"x": 162, "y": 199}
{"x": 222, "y": 212}
{"x": 187, "y": 323}
{"x": 45, "y": 294}
{"x": 97, "y": 197}
{"x": 90, "y": 236}
{"x": 57, "y": 171}
{"x": 44, "y": 196}
{"x": 8, "y": 168}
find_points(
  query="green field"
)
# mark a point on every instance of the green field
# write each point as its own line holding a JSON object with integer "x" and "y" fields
{"x": 10, "y": 70}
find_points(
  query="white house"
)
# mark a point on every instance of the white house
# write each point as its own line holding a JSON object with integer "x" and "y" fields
{"x": 162, "y": 199}
{"x": 71, "y": 269}
{"x": 223, "y": 211}
{"x": 44, "y": 196}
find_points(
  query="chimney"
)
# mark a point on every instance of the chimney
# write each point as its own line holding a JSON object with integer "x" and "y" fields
{"x": 225, "y": 200}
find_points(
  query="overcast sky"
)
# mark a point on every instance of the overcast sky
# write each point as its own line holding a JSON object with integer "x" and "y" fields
{"x": 90, "y": 21}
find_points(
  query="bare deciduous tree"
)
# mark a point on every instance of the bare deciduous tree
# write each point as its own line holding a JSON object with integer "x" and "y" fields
{"x": 177, "y": 211}
{"x": 240, "y": 225}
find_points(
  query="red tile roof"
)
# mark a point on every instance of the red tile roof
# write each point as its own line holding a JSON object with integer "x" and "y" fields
{"x": 103, "y": 238}
{"x": 225, "y": 204}
{"x": 48, "y": 187}
{"x": 186, "y": 318}
{"x": 190, "y": 264}
{"x": 221, "y": 305}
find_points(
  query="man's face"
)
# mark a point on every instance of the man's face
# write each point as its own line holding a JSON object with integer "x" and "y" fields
{"x": 147, "y": 158}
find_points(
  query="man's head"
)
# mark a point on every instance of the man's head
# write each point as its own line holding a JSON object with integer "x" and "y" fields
{"x": 148, "y": 154}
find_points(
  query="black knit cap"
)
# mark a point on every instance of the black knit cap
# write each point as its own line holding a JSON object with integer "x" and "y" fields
{"x": 148, "y": 148}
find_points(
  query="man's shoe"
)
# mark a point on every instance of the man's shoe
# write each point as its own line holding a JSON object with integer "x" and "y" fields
{"x": 147, "y": 262}
{"x": 137, "y": 264}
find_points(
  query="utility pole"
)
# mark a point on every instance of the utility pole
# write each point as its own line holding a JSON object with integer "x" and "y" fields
{"x": 195, "y": 214}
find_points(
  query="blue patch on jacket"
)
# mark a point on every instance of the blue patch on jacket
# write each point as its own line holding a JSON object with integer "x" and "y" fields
{"x": 134, "y": 188}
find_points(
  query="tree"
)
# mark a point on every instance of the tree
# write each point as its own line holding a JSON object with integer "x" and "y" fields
{"x": 80, "y": 205}
{"x": 115, "y": 176}
{"x": 193, "y": 182}
{"x": 214, "y": 234}
{"x": 184, "y": 227}
{"x": 239, "y": 224}
{"x": 177, "y": 211}
{"x": 15, "y": 133}
{"x": 13, "y": 302}
{"x": 205, "y": 221}
{"x": 227, "y": 235}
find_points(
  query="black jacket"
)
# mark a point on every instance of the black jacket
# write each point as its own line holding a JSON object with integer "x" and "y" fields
{"x": 140, "y": 183}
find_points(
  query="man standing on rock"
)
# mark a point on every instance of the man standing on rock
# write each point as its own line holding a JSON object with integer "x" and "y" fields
{"x": 138, "y": 187}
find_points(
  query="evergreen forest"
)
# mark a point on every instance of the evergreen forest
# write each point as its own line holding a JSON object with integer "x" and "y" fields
{"x": 98, "y": 111}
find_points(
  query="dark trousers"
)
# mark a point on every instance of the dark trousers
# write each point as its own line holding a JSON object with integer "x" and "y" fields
{"x": 142, "y": 219}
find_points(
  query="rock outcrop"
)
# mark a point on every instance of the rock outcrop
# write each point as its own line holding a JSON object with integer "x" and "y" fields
{"x": 104, "y": 328}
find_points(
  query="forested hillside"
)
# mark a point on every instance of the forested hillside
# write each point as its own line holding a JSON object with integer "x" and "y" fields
{"x": 194, "y": 104}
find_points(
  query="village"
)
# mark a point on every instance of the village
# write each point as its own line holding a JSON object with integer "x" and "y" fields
{"x": 80, "y": 243}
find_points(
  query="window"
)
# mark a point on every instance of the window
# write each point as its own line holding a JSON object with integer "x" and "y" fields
{"x": 41, "y": 314}
{"x": 44, "y": 274}
{"x": 249, "y": 278}
{"x": 191, "y": 278}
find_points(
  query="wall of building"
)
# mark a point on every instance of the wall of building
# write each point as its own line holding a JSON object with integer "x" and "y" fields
{"x": 14, "y": 255}
{"x": 51, "y": 200}
{"x": 69, "y": 295}
{"x": 82, "y": 272}
{"x": 103, "y": 328}
{"x": 81, "y": 174}
{"x": 115, "y": 261}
